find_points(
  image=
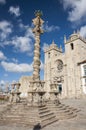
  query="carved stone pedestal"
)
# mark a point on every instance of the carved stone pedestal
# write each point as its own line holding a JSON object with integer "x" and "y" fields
{"x": 14, "y": 94}
{"x": 36, "y": 92}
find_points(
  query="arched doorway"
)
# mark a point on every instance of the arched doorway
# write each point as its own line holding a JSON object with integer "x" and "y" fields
{"x": 59, "y": 87}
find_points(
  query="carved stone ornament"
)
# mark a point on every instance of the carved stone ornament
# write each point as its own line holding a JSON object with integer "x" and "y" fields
{"x": 59, "y": 65}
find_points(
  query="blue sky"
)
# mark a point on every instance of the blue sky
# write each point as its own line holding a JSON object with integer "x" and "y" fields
{"x": 61, "y": 18}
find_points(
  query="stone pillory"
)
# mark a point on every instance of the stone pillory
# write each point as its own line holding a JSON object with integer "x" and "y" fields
{"x": 37, "y": 31}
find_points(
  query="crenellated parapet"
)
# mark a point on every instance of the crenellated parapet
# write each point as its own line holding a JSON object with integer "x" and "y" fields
{"x": 73, "y": 37}
{"x": 53, "y": 46}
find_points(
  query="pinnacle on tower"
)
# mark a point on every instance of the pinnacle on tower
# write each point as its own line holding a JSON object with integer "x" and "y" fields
{"x": 65, "y": 40}
{"x": 53, "y": 42}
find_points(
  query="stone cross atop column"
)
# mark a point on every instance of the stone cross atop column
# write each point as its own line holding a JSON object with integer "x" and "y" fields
{"x": 37, "y": 31}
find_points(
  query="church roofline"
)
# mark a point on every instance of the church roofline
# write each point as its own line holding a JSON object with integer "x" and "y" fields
{"x": 52, "y": 46}
{"x": 75, "y": 36}
{"x": 82, "y": 39}
{"x": 49, "y": 49}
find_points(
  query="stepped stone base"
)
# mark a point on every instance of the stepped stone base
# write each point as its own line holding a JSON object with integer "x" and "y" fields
{"x": 20, "y": 114}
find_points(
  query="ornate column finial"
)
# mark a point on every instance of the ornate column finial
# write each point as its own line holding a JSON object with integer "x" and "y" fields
{"x": 38, "y": 13}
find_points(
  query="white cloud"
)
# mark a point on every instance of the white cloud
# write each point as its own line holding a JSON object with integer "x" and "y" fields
{"x": 45, "y": 46}
{"x": 14, "y": 60}
{"x": 83, "y": 31}
{"x": 51, "y": 28}
{"x": 2, "y": 56}
{"x": 29, "y": 33}
{"x": 27, "y": 29}
{"x": 22, "y": 44}
{"x": 76, "y": 9}
{"x": 20, "y": 68}
{"x": 2, "y": 1}
{"x": 22, "y": 26}
{"x": 42, "y": 65}
{"x": 5, "y": 29}
{"x": 68, "y": 3}
{"x": 15, "y": 11}
{"x": 14, "y": 67}
{"x": 2, "y": 85}
{"x": 5, "y": 75}
{"x": 2, "y": 82}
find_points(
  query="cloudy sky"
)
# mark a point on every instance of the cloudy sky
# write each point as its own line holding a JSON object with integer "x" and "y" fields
{"x": 61, "y": 18}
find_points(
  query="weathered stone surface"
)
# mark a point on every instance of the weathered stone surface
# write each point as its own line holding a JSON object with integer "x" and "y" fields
{"x": 62, "y": 67}
{"x": 29, "y": 84}
{"x": 78, "y": 123}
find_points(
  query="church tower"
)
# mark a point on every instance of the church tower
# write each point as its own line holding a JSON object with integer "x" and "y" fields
{"x": 51, "y": 55}
{"x": 66, "y": 68}
{"x": 75, "y": 51}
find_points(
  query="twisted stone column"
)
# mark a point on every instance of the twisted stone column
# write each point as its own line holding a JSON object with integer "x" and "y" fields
{"x": 37, "y": 31}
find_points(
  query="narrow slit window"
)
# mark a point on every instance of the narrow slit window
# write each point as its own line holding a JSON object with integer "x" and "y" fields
{"x": 72, "y": 46}
{"x": 84, "y": 70}
{"x": 49, "y": 55}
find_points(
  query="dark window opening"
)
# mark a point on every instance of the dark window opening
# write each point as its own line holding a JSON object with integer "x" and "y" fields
{"x": 84, "y": 70}
{"x": 85, "y": 81}
{"x": 72, "y": 46}
{"x": 60, "y": 88}
{"x": 49, "y": 55}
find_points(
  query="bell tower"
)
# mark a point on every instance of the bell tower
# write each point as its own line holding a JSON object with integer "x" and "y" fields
{"x": 74, "y": 53}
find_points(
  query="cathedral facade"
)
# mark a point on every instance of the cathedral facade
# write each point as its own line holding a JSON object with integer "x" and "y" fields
{"x": 67, "y": 69}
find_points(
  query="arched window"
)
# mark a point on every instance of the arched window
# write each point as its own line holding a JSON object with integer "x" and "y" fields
{"x": 72, "y": 46}
{"x": 60, "y": 88}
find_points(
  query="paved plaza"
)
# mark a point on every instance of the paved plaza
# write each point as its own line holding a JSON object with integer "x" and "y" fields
{"x": 77, "y": 123}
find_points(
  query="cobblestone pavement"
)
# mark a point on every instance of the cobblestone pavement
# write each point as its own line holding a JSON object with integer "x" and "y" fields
{"x": 78, "y": 123}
